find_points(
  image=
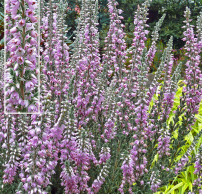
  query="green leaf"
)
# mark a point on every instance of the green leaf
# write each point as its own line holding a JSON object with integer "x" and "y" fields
{"x": 191, "y": 168}
{"x": 176, "y": 187}
{"x": 185, "y": 187}
{"x": 11, "y": 71}
{"x": 189, "y": 137}
{"x": 190, "y": 186}
{"x": 199, "y": 118}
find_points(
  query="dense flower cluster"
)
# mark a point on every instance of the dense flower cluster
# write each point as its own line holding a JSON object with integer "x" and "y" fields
{"x": 21, "y": 68}
{"x": 98, "y": 123}
{"x": 198, "y": 170}
{"x": 193, "y": 73}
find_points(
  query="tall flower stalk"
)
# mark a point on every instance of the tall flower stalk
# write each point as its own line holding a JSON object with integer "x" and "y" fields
{"x": 21, "y": 67}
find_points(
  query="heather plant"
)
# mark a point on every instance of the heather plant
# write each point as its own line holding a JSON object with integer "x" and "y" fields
{"x": 99, "y": 123}
{"x": 184, "y": 180}
{"x": 1, "y": 30}
{"x": 1, "y": 24}
{"x": 21, "y": 67}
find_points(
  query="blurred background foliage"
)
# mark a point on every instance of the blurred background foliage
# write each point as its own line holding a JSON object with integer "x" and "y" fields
{"x": 172, "y": 25}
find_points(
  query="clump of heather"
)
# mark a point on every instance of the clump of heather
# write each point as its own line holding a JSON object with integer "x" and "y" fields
{"x": 99, "y": 123}
{"x": 21, "y": 67}
{"x": 198, "y": 181}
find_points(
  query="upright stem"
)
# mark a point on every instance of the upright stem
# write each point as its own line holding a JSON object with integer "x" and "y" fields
{"x": 23, "y": 44}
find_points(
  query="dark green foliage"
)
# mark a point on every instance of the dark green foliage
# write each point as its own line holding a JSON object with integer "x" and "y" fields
{"x": 172, "y": 25}
{"x": 173, "y": 22}
{"x": 1, "y": 6}
{"x": 72, "y": 15}
{"x": 56, "y": 187}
